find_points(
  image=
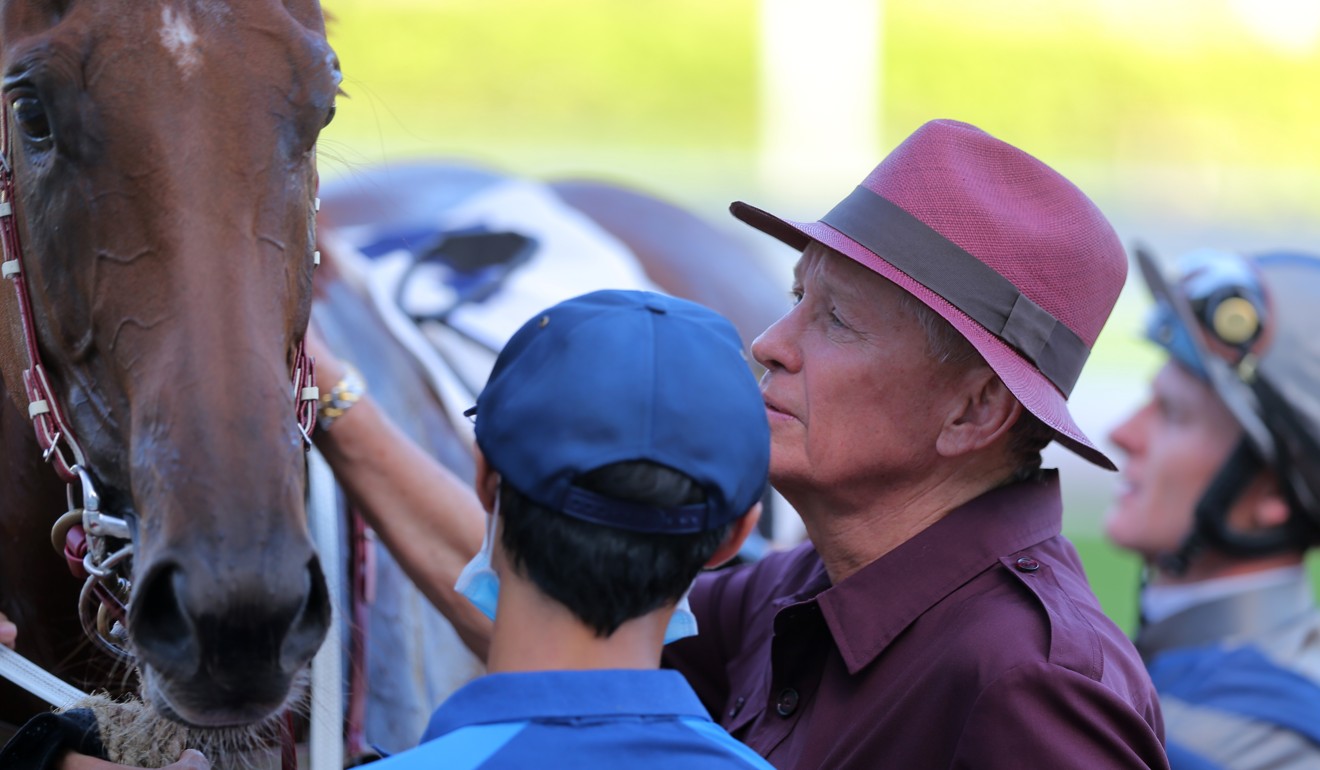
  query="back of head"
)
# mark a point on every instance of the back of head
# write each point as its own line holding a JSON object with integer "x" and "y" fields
{"x": 606, "y": 575}
{"x": 629, "y": 433}
{"x": 1245, "y": 326}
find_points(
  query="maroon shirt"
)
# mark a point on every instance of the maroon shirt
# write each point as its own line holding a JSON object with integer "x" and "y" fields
{"x": 976, "y": 644}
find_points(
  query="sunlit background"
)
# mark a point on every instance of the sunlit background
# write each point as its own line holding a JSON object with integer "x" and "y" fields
{"x": 1190, "y": 122}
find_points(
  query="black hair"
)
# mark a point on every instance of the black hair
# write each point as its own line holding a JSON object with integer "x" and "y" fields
{"x": 607, "y": 576}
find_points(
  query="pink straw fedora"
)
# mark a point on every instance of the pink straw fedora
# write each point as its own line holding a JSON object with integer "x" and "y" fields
{"x": 1017, "y": 258}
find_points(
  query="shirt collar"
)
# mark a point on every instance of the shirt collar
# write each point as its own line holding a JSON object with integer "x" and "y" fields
{"x": 1163, "y": 601}
{"x": 870, "y": 608}
{"x": 1257, "y": 609}
{"x": 548, "y": 695}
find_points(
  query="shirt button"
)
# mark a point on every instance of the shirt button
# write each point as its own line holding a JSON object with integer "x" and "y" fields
{"x": 1027, "y": 564}
{"x": 737, "y": 706}
{"x": 787, "y": 703}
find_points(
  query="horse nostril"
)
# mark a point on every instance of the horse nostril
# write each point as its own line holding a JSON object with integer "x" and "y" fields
{"x": 310, "y": 624}
{"x": 160, "y": 626}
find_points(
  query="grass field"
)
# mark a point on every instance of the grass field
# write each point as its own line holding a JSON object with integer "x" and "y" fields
{"x": 1183, "y": 105}
{"x": 1115, "y": 576}
{"x": 1191, "y": 122}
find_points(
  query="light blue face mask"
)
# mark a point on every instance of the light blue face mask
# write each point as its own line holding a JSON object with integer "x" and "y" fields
{"x": 481, "y": 585}
{"x": 683, "y": 623}
{"x": 478, "y": 581}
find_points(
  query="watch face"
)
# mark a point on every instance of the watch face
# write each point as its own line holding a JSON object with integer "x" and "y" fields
{"x": 340, "y": 398}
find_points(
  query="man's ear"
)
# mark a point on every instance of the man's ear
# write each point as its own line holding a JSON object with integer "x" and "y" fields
{"x": 982, "y": 414}
{"x": 1270, "y": 509}
{"x": 741, "y": 528}
{"x": 487, "y": 481}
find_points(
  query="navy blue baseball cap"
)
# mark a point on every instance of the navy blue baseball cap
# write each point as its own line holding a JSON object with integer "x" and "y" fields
{"x": 620, "y": 376}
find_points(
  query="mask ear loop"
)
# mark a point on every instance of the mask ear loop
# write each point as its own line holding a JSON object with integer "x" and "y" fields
{"x": 488, "y": 538}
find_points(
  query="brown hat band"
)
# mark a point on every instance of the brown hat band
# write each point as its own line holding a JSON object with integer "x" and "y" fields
{"x": 969, "y": 284}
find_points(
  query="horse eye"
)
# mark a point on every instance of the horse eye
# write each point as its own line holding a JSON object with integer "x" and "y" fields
{"x": 31, "y": 118}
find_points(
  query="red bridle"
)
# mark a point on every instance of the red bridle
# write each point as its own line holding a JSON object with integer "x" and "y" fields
{"x": 83, "y": 532}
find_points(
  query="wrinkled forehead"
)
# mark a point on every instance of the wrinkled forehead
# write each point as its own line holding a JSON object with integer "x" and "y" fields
{"x": 825, "y": 269}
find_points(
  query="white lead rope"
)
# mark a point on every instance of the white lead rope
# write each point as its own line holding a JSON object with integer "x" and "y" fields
{"x": 327, "y": 711}
{"x": 37, "y": 680}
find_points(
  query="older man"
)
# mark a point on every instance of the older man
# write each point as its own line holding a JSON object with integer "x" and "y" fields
{"x": 938, "y": 618}
{"x": 1222, "y": 501}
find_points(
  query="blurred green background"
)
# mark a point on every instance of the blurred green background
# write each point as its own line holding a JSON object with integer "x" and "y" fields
{"x": 1191, "y": 122}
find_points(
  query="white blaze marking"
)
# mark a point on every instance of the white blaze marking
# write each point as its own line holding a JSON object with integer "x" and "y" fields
{"x": 178, "y": 37}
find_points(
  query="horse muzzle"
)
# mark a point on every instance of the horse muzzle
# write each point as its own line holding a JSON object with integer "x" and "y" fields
{"x": 222, "y": 649}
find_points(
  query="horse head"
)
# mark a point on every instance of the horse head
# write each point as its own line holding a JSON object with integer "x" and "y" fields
{"x": 164, "y": 184}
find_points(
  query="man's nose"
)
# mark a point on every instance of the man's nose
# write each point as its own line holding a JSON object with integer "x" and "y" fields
{"x": 1128, "y": 434}
{"x": 774, "y": 348}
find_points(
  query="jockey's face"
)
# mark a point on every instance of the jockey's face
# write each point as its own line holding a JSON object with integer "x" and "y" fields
{"x": 1175, "y": 444}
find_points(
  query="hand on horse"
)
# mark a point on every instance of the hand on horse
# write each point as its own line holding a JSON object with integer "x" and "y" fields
{"x": 188, "y": 760}
{"x": 429, "y": 518}
{"x": 8, "y": 632}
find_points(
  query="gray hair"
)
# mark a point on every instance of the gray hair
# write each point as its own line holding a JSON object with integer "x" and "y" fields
{"x": 945, "y": 345}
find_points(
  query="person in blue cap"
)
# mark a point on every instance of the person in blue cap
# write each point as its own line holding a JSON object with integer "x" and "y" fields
{"x": 621, "y": 447}
{"x": 1222, "y": 501}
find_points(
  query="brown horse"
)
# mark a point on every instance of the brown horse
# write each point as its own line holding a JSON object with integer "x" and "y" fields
{"x": 164, "y": 182}
{"x": 163, "y": 187}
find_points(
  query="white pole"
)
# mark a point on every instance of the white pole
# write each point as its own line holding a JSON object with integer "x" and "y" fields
{"x": 820, "y": 95}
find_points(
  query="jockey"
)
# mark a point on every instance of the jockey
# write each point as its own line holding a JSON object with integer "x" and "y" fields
{"x": 1222, "y": 501}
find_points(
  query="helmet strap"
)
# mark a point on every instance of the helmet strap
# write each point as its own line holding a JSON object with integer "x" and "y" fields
{"x": 1211, "y": 529}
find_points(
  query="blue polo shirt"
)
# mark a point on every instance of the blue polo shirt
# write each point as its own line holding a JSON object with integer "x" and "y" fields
{"x": 575, "y": 720}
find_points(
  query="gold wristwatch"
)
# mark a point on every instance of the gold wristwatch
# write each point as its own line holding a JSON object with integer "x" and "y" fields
{"x": 336, "y": 402}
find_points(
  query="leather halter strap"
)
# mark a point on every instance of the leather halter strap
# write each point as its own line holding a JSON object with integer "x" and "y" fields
{"x": 48, "y": 420}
